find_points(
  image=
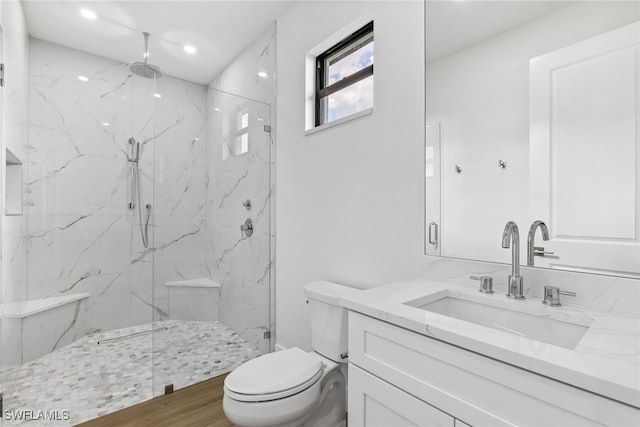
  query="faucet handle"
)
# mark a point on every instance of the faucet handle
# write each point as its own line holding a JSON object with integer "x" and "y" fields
{"x": 552, "y": 296}
{"x": 486, "y": 284}
{"x": 539, "y": 251}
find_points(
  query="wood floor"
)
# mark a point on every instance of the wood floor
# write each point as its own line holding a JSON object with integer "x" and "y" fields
{"x": 198, "y": 405}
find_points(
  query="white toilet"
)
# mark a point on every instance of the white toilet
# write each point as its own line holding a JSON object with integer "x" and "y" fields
{"x": 293, "y": 387}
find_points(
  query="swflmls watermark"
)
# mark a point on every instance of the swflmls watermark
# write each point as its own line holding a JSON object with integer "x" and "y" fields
{"x": 39, "y": 415}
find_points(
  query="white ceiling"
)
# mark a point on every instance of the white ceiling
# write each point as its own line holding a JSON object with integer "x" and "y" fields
{"x": 220, "y": 30}
{"x": 453, "y": 25}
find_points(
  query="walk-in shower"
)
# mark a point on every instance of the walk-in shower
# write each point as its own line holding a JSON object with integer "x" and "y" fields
{"x": 129, "y": 274}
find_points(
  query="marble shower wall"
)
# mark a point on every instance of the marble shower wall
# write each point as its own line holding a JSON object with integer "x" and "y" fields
{"x": 15, "y": 128}
{"x": 81, "y": 235}
{"x": 243, "y": 265}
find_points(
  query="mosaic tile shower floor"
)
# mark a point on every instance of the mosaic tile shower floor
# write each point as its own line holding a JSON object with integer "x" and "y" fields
{"x": 94, "y": 377}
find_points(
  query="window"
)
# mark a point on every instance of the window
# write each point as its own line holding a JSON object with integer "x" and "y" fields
{"x": 344, "y": 77}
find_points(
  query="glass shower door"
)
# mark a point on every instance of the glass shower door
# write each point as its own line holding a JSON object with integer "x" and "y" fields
{"x": 212, "y": 278}
{"x": 80, "y": 285}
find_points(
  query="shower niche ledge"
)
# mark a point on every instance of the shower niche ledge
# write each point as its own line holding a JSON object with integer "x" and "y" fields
{"x": 13, "y": 180}
{"x": 45, "y": 324}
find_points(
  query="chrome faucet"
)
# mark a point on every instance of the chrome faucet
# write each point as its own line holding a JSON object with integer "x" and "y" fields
{"x": 533, "y": 250}
{"x": 511, "y": 236}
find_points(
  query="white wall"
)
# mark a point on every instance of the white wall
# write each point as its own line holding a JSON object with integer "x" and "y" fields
{"x": 480, "y": 96}
{"x": 349, "y": 198}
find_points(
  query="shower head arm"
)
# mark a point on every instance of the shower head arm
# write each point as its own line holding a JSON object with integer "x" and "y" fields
{"x": 146, "y": 47}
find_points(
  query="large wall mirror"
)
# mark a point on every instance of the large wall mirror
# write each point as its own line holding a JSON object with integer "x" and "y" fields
{"x": 533, "y": 113}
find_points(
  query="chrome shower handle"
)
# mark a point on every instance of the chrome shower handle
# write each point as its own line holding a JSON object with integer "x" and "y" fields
{"x": 247, "y": 227}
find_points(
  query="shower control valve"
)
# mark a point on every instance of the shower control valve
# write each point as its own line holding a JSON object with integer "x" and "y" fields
{"x": 247, "y": 227}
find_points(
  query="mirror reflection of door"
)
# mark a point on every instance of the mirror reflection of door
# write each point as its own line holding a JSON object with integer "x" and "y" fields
{"x": 494, "y": 103}
{"x": 584, "y": 152}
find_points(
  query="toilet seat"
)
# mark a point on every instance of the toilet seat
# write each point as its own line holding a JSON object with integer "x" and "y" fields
{"x": 274, "y": 376}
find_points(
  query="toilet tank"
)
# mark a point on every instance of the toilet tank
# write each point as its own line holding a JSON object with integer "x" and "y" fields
{"x": 329, "y": 327}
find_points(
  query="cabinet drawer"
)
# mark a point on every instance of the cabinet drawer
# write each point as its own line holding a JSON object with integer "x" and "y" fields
{"x": 474, "y": 388}
{"x": 376, "y": 403}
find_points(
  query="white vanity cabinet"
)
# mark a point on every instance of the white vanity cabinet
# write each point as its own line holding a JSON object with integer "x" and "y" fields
{"x": 399, "y": 377}
{"x": 374, "y": 402}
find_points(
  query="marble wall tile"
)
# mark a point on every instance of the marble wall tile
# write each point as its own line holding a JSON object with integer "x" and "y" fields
{"x": 56, "y": 66}
{"x": 66, "y": 250}
{"x": 182, "y": 97}
{"x": 79, "y": 123}
{"x": 52, "y": 329}
{"x": 11, "y": 345}
{"x": 58, "y": 183}
{"x": 109, "y": 303}
{"x": 193, "y": 303}
{"x": 241, "y": 76}
{"x": 179, "y": 249}
{"x": 82, "y": 235}
{"x": 242, "y": 264}
{"x": 15, "y": 131}
{"x": 14, "y": 257}
{"x": 144, "y": 308}
{"x": 180, "y": 166}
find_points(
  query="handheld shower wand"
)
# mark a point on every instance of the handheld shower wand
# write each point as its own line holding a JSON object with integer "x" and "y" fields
{"x": 133, "y": 158}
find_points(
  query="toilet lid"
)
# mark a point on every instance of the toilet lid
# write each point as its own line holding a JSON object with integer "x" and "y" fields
{"x": 274, "y": 373}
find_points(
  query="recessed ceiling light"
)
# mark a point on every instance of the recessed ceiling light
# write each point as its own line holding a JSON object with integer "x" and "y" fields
{"x": 157, "y": 95}
{"x": 105, "y": 124}
{"x": 216, "y": 109}
{"x": 262, "y": 74}
{"x": 83, "y": 78}
{"x": 89, "y": 14}
{"x": 189, "y": 49}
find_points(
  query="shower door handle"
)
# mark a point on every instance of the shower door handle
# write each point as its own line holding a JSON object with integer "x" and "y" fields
{"x": 433, "y": 238}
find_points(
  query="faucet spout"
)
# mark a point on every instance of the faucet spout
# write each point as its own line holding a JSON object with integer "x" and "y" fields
{"x": 512, "y": 234}
{"x": 531, "y": 239}
{"x": 511, "y": 238}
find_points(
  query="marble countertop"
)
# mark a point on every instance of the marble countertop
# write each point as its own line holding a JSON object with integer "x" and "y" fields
{"x": 606, "y": 361}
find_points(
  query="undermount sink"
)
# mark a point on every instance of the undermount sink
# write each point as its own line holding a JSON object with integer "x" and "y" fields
{"x": 536, "y": 327}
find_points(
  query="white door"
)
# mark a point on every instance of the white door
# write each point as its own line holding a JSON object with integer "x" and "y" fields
{"x": 584, "y": 177}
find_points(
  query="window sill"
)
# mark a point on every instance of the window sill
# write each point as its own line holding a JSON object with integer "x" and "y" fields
{"x": 338, "y": 122}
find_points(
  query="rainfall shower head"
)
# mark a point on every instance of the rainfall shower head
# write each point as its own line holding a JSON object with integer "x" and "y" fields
{"x": 144, "y": 69}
